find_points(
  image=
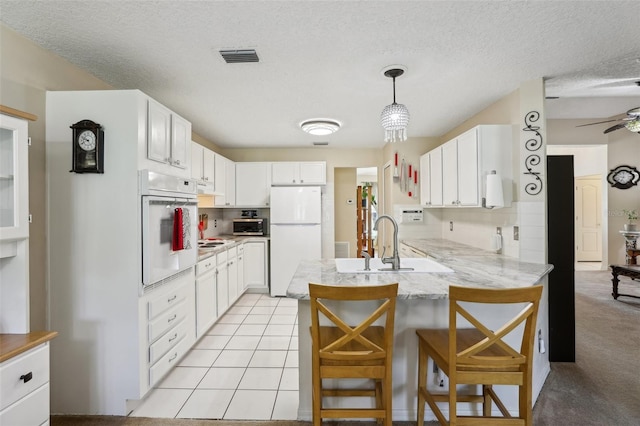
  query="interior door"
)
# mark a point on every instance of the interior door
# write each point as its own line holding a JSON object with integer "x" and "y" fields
{"x": 589, "y": 219}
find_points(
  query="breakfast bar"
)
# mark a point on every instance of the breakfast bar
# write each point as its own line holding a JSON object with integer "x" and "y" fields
{"x": 422, "y": 302}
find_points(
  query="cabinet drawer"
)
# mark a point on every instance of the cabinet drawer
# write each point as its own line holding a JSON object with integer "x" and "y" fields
{"x": 167, "y": 362}
{"x": 34, "y": 362}
{"x": 166, "y": 320}
{"x": 166, "y": 301}
{"x": 166, "y": 342}
{"x": 222, "y": 257}
{"x": 30, "y": 410}
{"x": 206, "y": 265}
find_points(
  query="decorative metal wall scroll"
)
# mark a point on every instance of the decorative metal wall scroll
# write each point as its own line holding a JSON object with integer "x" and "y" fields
{"x": 532, "y": 161}
{"x": 623, "y": 177}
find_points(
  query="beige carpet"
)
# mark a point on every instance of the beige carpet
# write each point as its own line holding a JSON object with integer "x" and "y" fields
{"x": 602, "y": 388}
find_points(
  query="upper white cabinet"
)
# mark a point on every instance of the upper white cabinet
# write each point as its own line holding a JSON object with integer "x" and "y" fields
{"x": 202, "y": 164}
{"x": 462, "y": 164}
{"x": 14, "y": 178}
{"x": 253, "y": 184}
{"x": 225, "y": 181}
{"x": 460, "y": 171}
{"x": 431, "y": 178}
{"x": 299, "y": 173}
{"x": 168, "y": 136}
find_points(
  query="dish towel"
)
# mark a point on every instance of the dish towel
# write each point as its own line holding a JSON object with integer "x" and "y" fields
{"x": 178, "y": 233}
{"x": 186, "y": 229}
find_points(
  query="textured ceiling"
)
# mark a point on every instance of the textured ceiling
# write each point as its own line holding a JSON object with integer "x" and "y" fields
{"x": 324, "y": 59}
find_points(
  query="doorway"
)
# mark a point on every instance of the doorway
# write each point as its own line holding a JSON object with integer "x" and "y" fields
{"x": 591, "y": 241}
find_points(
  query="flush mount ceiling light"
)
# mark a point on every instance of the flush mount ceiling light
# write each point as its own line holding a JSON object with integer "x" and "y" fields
{"x": 394, "y": 117}
{"x": 320, "y": 126}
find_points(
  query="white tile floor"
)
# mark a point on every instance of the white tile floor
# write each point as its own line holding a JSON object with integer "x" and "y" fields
{"x": 249, "y": 358}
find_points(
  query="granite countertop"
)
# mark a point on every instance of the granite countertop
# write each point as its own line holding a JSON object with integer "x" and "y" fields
{"x": 230, "y": 241}
{"x": 472, "y": 267}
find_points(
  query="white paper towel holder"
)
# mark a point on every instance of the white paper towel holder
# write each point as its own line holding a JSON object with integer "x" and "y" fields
{"x": 494, "y": 197}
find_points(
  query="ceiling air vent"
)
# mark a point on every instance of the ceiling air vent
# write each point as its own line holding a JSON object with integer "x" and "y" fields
{"x": 239, "y": 56}
{"x": 321, "y": 143}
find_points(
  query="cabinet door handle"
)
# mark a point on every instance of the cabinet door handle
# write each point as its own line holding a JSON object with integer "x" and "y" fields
{"x": 171, "y": 299}
{"x": 175, "y": 336}
{"x": 173, "y": 357}
{"x": 27, "y": 377}
{"x": 172, "y": 318}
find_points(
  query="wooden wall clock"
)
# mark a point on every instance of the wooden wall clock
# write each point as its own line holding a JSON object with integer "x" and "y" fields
{"x": 623, "y": 177}
{"x": 88, "y": 147}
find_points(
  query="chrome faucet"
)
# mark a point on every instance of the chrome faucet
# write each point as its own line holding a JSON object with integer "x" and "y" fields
{"x": 394, "y": 260}
{"x": 367, "y": 259}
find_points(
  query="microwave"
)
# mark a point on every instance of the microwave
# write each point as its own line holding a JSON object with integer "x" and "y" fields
{"x": 249, "y": 226}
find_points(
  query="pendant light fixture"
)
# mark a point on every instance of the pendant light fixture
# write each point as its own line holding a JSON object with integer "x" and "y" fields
{"x": 394, "y": 117}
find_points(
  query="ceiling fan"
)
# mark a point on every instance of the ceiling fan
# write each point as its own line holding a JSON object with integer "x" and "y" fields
{"x": 631, "y": 122}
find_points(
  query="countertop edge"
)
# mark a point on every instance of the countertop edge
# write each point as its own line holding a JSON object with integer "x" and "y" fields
{"x": 12, "y": 345}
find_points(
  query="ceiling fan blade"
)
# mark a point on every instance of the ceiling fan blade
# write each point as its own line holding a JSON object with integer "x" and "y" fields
{"x": 634, "y": 112}
{"x": 616, "y": 127}
{"x": 599, "y": 122}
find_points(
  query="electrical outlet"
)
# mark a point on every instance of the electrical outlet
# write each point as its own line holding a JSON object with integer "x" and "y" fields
{"x": 451, "y": 226}
{"x": 516, "y": 233}
{"x": 215, "y": 223}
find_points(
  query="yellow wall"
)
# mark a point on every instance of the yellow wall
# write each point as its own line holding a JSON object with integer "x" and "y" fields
{"x": 27, "y": 72}
{"x": 345, "y": 214}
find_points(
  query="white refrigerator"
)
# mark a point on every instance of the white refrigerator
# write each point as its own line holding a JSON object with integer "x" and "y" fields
{"x": 295, "y": 232}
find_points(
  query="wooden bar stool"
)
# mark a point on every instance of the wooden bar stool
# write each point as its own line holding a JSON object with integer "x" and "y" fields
{"x": 480, "y": 356}
{"x": 342, "y": 351}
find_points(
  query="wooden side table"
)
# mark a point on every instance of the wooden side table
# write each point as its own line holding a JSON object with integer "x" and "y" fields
{"x": 631, "y": 271}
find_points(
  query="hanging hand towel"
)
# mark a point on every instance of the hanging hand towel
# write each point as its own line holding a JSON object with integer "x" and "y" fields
{"x": 186, "y": 229}
{"x": 178, "y": 236}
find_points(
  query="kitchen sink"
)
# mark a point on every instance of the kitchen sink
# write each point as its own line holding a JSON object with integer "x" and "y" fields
{"x": 408, "y": 264}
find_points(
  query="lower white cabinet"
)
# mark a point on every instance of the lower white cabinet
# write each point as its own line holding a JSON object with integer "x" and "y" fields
{"x": 170, "y": 327}
{"x": 256, "y": 264}
{"x": 222, "y": 279}
{"x": 242, "y": 285}
{"x": 232, "y": 275}
{"x": 206, "y": 295}
{"x": 24, "y": 388}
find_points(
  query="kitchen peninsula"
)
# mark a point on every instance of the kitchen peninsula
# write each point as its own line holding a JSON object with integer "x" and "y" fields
{"x": 422, "y": 302}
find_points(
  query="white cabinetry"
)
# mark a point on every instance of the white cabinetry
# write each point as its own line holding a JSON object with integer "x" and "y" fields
{"x": 232, "y": 275}
{"x": 168, "y": 136}
{"x": 466, "y": 161}
{"x": 299, "y": 173}
{"x": 206, "y": 305}
{"x": 253, "y": 184}
{"x": 14, "y": 225}
{"x": 107, "y": 301}
{"x": 225, "y": 181}
{"x": 255, "y": 265}
{"x": 14, "y": 178}
{"x": 242, "y": 285}
{"x": 222, "y": 282}
{"x": 431, "y": 178}
{"x": 24, "y": 388}
{"x": 202, "y": 164}
{"x": 170, "y": 327}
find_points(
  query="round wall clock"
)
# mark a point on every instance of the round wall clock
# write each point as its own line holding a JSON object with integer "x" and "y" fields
{"x": 623, "y": 177}
{"x": 88, "y": 147}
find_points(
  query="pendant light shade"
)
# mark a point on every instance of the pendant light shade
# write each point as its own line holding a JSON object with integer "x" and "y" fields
{"x": 394, "y": 117}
